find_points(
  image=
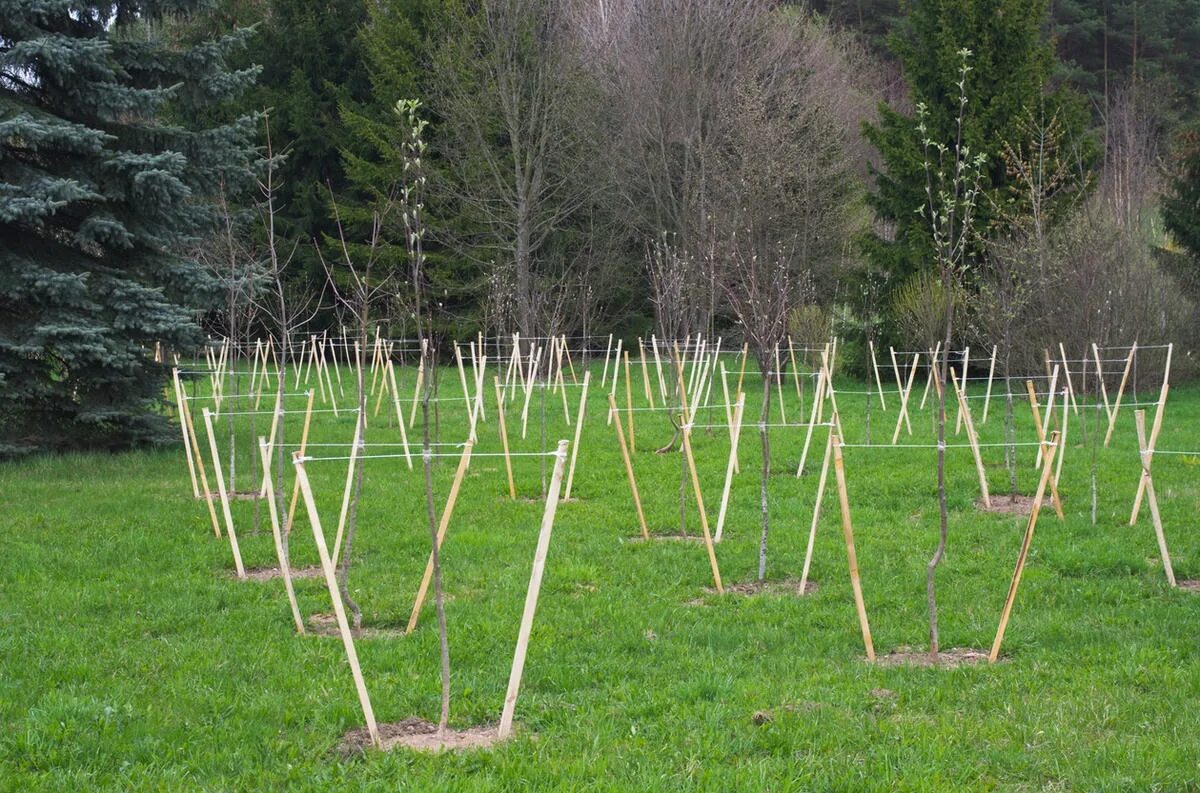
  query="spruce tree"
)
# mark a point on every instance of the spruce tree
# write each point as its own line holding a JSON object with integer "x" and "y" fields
{"x": 103, "y": 186}
{"x": 1012, "y": 64}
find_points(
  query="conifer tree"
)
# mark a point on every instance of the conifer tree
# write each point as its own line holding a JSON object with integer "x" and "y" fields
{"x": 103, "y": 185}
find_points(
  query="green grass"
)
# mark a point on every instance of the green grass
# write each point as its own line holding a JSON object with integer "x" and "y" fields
{"x": 131, "y": 660}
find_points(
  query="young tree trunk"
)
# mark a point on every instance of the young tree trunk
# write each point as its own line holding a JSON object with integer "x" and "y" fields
{"x": 1010, "y": 434}
{"x": 356, "y": 494}
{"x": 764, "y": 435}
{"x": 943, "y": 513}
{"x": 438, "y": 599}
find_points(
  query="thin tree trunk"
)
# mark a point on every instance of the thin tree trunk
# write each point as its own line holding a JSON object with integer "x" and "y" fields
{"x": 764, "y": 435}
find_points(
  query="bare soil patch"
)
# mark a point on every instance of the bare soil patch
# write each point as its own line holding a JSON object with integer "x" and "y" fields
{"x": 947, "y": 659}
{"x": 325, "y": 624}
{"x": 1190, "y": 585}
{"x": 272, "y": 573}
{"x": 420, "y": 735}
{"x": 666, "y": 538}
{"x": 787, "y": 586}
{"x": 1006, "y": 505}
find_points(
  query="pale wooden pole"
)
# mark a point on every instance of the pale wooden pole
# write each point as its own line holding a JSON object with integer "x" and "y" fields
{"x": 633, "y": 488}
{"x": 531, "y": 595}
{"x": 187, "y": 442}
{"x": 851, "y": 556}
{"x": 731, "y": 467}
{"x": 714, "y": 359}
{"x": 795, "y": 368}
{"x": 587, "y": 378}
{"x": 777, "y": 376}
{"x": 285, "y": 571}
{"x": 443, "y": 524}
{"x": 254, "y": 364}
{"x": 1067, "y": 375}
{"x": 519, "y": 359}
{"x": 1062, "y": 440}
{"x": 1042, "y": 450}
{"x": 512, "y": 487}
{"x": 629, "y": 406}
{"x": 562, "y": 386}
{"x": 1024, "y": 553}
{"x": 570, "y": 363}
{"x": 412, "y": 414}
{"x": 820, "y": 393}
{"x": 204, "y": 489}
{"x": 616, "y": 370}
{"x": 607, "y": 357}
{"x": 896, "y": 370}
{"x": 1051, "y": 393}
{"x": 341, "y": 524}
{"x": 963, "y": 385}
{"x": 816, "y": 516}
{"x": 662, "y": 383}
{"x": 1158, "y": 418}
{"x": 725, "y": 394}
{"x": 818, "y": 398}
{"x": 905, "y": 393}
{"x": 933, "y": 359}
{"x": 303, "y": 449}
{"x": 742, "y": 370}
{"x": 229, "y": 530}
{"x": 384, "y": 384}
{"x": 645, "y": 374}
{"x": 708, "y": 541}
{"x": 965, "y": 411}
{"x": 391, "y": 373}
{"x": 535, "y": 358}
{"x": 339, "y": 609}
{"x": 987, "y": 395}
{"x": 1112, "y": 420}
{"x": 1147, "y": 453}
{"x": 878, "y": 382}
{"x": 1100, "y": 378}
{"x": 276, "y": 413}
{"x": 462, "y": 376}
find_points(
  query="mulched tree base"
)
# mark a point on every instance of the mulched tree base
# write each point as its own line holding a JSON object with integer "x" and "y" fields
{"x": 325, "y": 624}
{"x": 1006, "y": 505}
{"x": 666, "y": 538}
{"x": 273, "y": 573}
{"x": 421, "y": 736}
{"x": 787, "y": 586}
{"x": 1190, "y": 585}
{"x": 947, "y": 659}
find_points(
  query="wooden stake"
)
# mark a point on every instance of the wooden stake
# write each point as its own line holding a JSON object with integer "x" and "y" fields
{"x": 412, "y": 415}
{"x": 204, "y": 489}
{"x": 339, "y": 609}
{"x": 905, "y": 393}
{"x": 1147, "y": 453}
{"x": 816, "y": 516}
{"x": 229, "y": 530}
{"x": 1024, "y": 553}
{"x": 818, "y": 398}
{"x": 965, "y": 411}
{"x": 512, "y": 488}
{"x": 795, "y": 369}
{"x": 1112, "y": 420}
{"x": 462, "y": 376}
{"x": 633, "y": 488}
{"x": 1067, "y": 374}
{"x": 607, "y": 353}
{"x": 1100, "y": 378}
{"x": 959, "y": 420}
{"x": 187, "y": 442}
{"x": 303, "y": 449}
{"x": 587, "y": 378}
{"x": 708, "y": 542}
{"x": 391, "y": 373}
{"x": 987, "y": 397}
{"x": 531, "y": 595}
{"x": 1158, "y": 418}
{"x": 1037, "y": 425}
{"x": 341, "y": 525}
{"x": 933, "y": 378}
{"x": 285, "y": 571}
{"x": 662, "y": 384}
{"x": 444, "y": 523}
{"x": 852, "y": 558}
{"x": 878, "y": 382}
{"x": 731, "y": 467}
{"x": 645, "y": 374}
{"x": 777, "y": 376}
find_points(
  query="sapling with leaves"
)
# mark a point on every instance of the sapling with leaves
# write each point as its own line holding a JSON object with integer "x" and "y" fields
{"x": 952, "y": 187}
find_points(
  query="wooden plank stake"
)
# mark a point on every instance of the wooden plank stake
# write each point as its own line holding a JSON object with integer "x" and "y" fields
{"x": 795, "y": 369}
{"x": 818, "y": 398}
{"x": 1067, "y": 374}
{"x": 303, "y": 449}
{"x": 339, "y": 608}
{"x": 204, "y": 489}
{"x": 905, "y": 393}
{"x": 851, "y": 556}
{"x": 777, "y": 376}
{"x": 933, "y": 365}
{"x": 633, "y": 488}
{"x": 187, "y": 441}
{"x": 1158, "y": 419}
{"x": 412, "y": 415}
{"x": 607, "y": 354}
{"x": 462, "y": 376}
{"x": 229, "y": 530}
{"x": 645, "y": 374}
{"x": 1037, "y": 425}
{"x": 662, "y": 383}
{"x": 1112, "y": 420}
{"x": 512, "y": 488}
{"x": 731, "y": 467}
{"x": 531, "y": 595}
{"x": 391, "y": 373}
{"x": 1100, "y": 378}
{"x": 285, "y": 571}
{"x": 816, "y": 516}
{"x": 341, "y": 525}
{"x": 1147, "y": 454}
{"x": 965, "y": 411}
{"x": 959, "y": 420}
{"x": 443, "y": 524}
{"x": 878, "y": 382}
{"x": 612, "y": 391}
{"x": 987, "y": 396}
{"x": 1024, "y": 553}
{"x": 587, "y": 378}
{"x": 708, "y": 541}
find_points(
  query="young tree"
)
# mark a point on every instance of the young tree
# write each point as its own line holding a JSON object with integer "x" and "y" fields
{"x": 104, "y": 191}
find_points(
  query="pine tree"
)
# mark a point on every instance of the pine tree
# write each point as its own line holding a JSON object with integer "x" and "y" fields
{"x": 103, "y": 187}
{"x": 1012, "y": 65}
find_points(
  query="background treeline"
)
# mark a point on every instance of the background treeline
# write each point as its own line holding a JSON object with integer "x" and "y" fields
{"x": 588, "y": 167}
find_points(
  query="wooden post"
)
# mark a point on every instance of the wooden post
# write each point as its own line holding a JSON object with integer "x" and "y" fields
{"x": 187, "y": 442}
{"x": 905, "y": 393}
{"x": 412, "y": 415}
{"x": 875, "y": 368}
{"x": 629, "y": 405}
{"x": 965, "y": 412}
{"x": 1100, "y": 378}
{"x": 714, "y": 359}
{"x": 587, "y": 378}
{"x": 1062, "y": 439}
{"x": 662, "y": 384}
{"x": 204, "y": 490}
{"x": 1146, "y": 453}
{"x": 229, "y": 530}
{"x": 1024, "y": 553}
{"x": 1112, "y": 419}
{"x": 341, "y": 525}
{"x": 276, "y": 413}
{"x": 512, "y": 488}
{"x": 607, "y": 353}
{"x": 530, "y": 382}
{"x": 933, "y": 378}
{"x": 531, "y": 595}
{"x": 777, "y": 376}
{"x": 284, "y": 569}
{"x": 742, "y": 371}
{"x": 1158, "y": 418}
{"x": 335, "y": 595}
{"x": 391, "y": 373}
{"x": 818, "y": 398}
{"x": 443, "y": 524}
{"x": 795, "y": 369}
{"x": 1051, "y": 393}
{"x": 852, "y": 558}
{"x": 708, "y": 542}
{"x": 816, "y": 516}
{"x": 1042, "y": 450}
{"x": 731, "y": 467}
{"x": 462, "y": 377}
{"x": 1067, "y": 374}
{"x": 633, "y": 488}
{"x": 987, "y": 396}
{"x": 303, "y": 448}
{"x": 896, "y": 371}
{"x": 645, "y": 374}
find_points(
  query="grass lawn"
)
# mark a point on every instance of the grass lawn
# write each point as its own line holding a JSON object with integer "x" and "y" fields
{"x": 130, "y": 659}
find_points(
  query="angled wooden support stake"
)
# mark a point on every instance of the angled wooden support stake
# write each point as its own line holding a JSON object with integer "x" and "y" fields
{"x": 633, "y": 488}
{"x": 878, "y": 381}
{"x": 187, "y": 441}
{"x": 629, "y": 405}
{"x": 958, "y": 422}
{"x": 416, "y": 400}
{"x": 1112, "y": 419}
{"x": 731, "y": 466}
{"x": 200, "y": 471}
{"x": 905, "y": 394}
{"x": 531, "y": 595}
{"x": 391, "y": 373}
{"x": 1100, "y": 378}
{"x": 587, "y": 378}
{"x": 933, "y": 378}
{"x": 1146, "y": 453}
{"x": 303, "y": 449}
{"x": 229, "y": 530}
{"x": 335, "y": 595}
{"x": 612, "y": 391}
{"x": 512, "y": 488}
{"x": 816, "y": 516}
{"x": 818, "y": 398}
{"x": 851, "y": 556}
{"x": 708, "y": 541}
{"x": 1051, "y": 393}
{"x": 965, "y": 411}
{"x": 355, "y": 447}
{"x": 463, "y": 463}
{"x": 645, "y": 374}
{"x": 1158, "y": 419}
{"x": 1067, "y": 376}
{"x": 987, "y": 396}
{"x": 662, "y": 383}
{"x": 1042, "y": 447}
{"x": 1052, "y": 447}
{"x": 285, "y": 571}
{"x": 607, "y": 358}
